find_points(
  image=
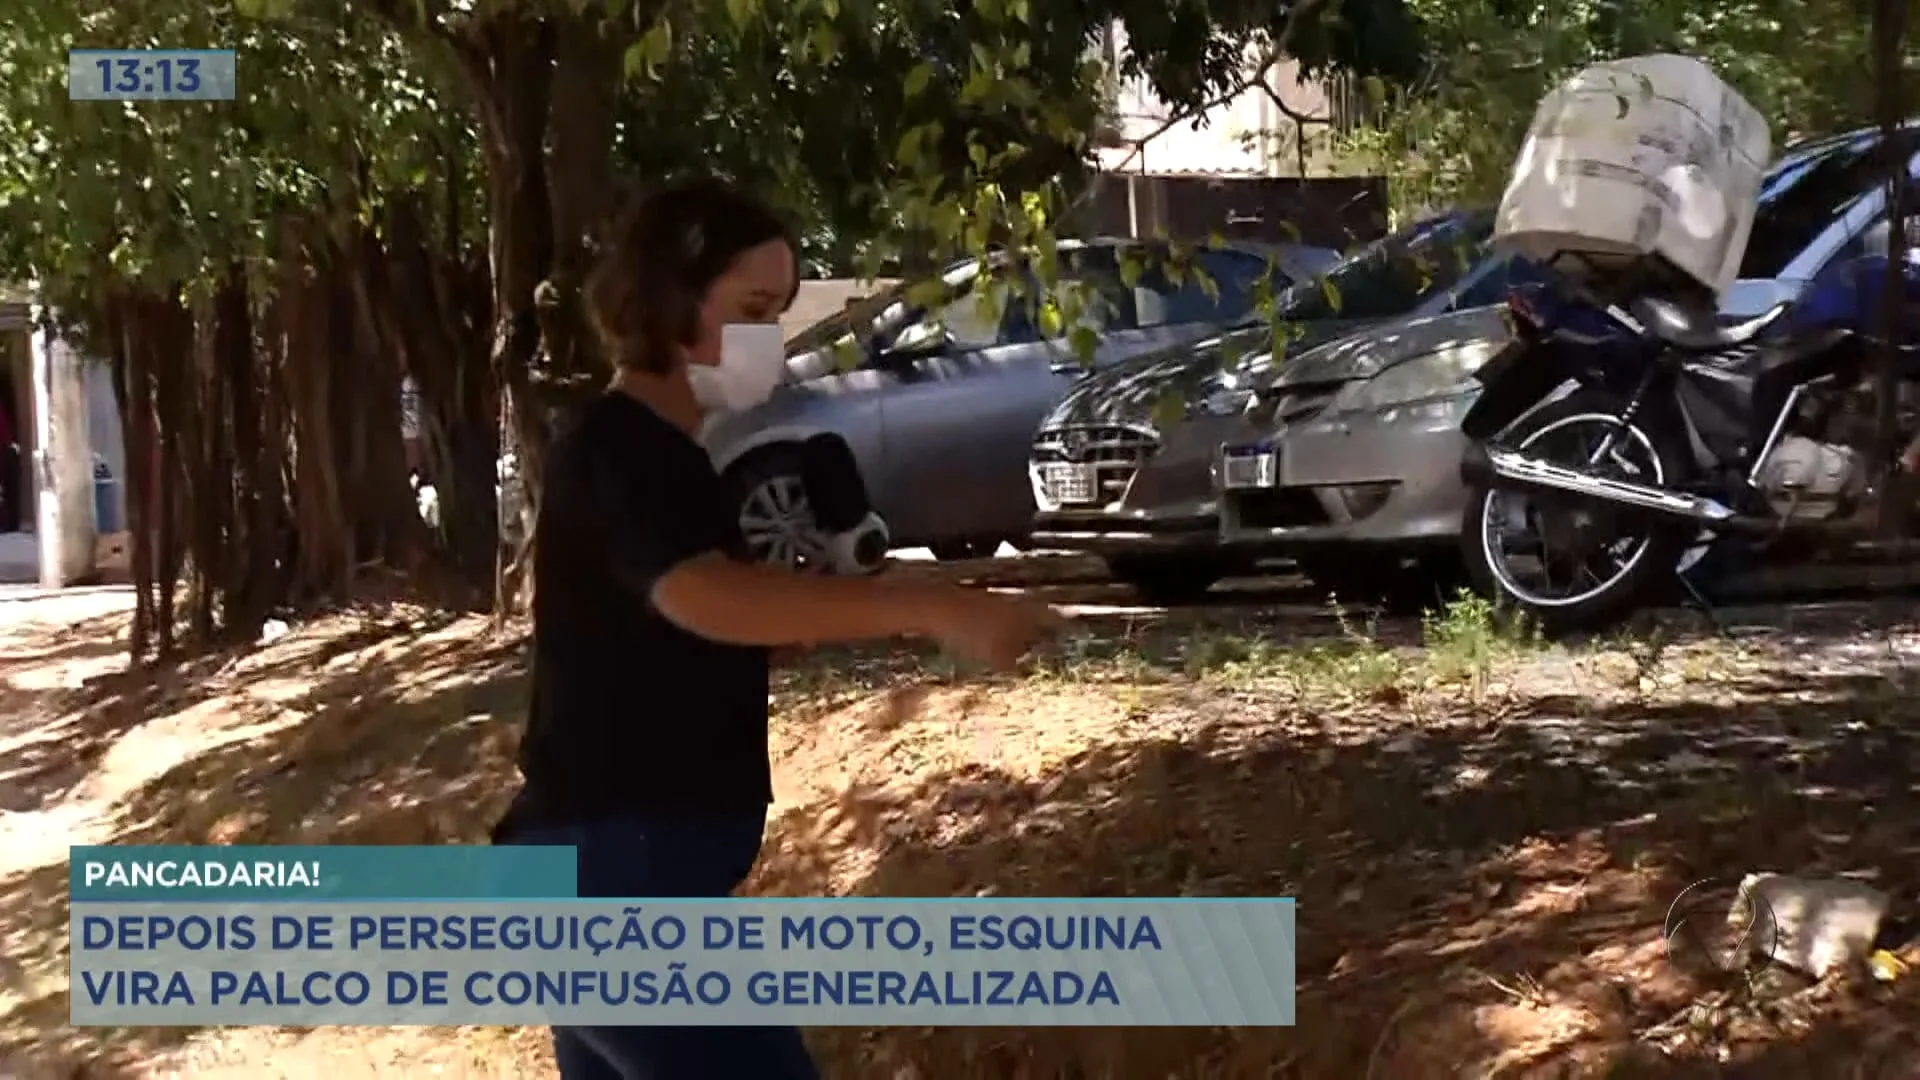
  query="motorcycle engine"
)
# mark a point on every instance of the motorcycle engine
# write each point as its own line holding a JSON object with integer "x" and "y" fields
{"x": 1818, "y": 471}
{"x": 1809, "y": 480}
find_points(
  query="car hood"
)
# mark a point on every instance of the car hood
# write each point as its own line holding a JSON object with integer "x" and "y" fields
{"x": 1211, "y": 375}
{"x": 1368, "y": 352}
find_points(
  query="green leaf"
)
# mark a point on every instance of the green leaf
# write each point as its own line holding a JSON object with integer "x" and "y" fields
{"x": 917, "y": 80}
{"x": 847, "y": 355}
{"x": 653, "y": 50}
{"x": 826, "y": 43}
{"x": 1084, "y": 341}
{"x": 906, "y": 153}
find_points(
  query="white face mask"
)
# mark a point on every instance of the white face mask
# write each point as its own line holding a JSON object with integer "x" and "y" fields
{"x": 753, "y": 361}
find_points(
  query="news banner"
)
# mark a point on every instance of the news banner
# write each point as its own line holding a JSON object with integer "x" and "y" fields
{"x": 211, "y": 936}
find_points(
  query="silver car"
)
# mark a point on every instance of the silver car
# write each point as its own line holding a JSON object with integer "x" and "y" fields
{"x": 938, "y": 403}
{"x": 1357, "y": 473}
{"x": 1123, "y": 467}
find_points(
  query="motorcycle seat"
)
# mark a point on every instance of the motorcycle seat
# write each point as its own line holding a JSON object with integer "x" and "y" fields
{"x": 1689, "y": 332}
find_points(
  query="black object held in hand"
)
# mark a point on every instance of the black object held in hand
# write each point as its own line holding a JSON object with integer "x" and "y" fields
{"x": 832, "y": 482}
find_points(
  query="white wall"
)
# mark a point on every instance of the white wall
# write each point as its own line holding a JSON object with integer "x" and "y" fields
{"x": 75, "y": 417}
{"x": 1244, "y": 136}
{"x": 103, "y": 430}
{"x": 63, "y": 452}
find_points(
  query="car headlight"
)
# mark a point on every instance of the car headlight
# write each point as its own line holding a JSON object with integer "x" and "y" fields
{"x": 1224, "y": 402}
{"x": 1424, "y": 378}
{"x": 1234, "y": 390}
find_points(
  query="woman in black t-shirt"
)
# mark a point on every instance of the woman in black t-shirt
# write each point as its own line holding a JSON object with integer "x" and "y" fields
{"x": 646, "y": 741}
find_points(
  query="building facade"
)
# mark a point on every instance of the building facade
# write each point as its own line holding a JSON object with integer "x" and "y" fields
{"x": 61, "y": 452}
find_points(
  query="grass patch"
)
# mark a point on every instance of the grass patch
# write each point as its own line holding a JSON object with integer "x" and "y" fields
{"x": 1468, "y": 637}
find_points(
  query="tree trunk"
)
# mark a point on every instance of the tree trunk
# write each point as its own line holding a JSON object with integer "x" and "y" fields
{"x": 166, "y": 335}
{"x": 133, "y": 394}
{"x": 252, "y": 510}
{"x": 322, "y": 541}
{"x": 1889, "y": 34}
{"x": 410, "y": 307}
{"x": 579, "y": 171}
{"x": 514, "y": 99}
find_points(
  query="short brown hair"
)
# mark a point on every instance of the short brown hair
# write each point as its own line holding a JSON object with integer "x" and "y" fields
{"x": 659, "y": 259}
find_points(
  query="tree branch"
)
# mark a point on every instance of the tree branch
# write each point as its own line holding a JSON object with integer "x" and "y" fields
{"x": 1277, "y": 51}
{"x": 1181, "y": 116}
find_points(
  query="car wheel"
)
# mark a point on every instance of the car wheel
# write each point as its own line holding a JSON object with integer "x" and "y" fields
{"x": 1166, "y": 579}
{"x": 770, "y": 502}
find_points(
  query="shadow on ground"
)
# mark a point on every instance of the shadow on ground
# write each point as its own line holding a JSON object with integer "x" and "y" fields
{"x": 1491, "y": 894}
{"x": 414, "y": 749}
{"x": 1477, "y": 892}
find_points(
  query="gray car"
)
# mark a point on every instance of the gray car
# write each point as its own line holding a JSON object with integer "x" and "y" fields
{"x": 1356, "y": 474}
{"x": 1123, "y": 467}
{"x": 938, "y": 403}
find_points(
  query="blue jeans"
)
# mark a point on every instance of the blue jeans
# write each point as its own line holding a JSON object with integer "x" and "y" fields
{"x": 668, "y": 856}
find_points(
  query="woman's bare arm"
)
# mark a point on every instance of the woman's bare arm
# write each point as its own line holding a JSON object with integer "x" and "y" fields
{"x": 749, "y": 604}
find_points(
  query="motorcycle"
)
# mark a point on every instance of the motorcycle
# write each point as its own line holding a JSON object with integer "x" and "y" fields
{"x": 1595, "y": 472}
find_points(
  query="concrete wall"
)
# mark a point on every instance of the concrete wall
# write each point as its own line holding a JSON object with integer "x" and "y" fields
{"x": 1246, "y": 135}
{"x": 69, "y": 416}
{"x": 819, "y": 299}
{"x": 63, "y": 462}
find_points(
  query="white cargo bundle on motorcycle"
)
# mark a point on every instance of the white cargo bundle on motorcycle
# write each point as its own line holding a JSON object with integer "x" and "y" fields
{"x": 1641, "y": 172}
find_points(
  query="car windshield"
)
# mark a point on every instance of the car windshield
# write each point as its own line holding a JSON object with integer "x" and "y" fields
{"x": 1803, "y": 193}
{"x": 1392, "y": 276}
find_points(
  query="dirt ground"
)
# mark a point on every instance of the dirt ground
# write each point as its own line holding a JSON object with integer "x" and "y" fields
{"x": 1484, "y": 833}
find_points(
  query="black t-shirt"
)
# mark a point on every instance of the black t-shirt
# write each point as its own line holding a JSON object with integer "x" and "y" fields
{"x": 629, "y": 711}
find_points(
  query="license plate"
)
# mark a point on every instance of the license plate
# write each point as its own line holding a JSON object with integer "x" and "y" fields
{"x": 1255, "y": 470}
{"x": 1070, "y": 483}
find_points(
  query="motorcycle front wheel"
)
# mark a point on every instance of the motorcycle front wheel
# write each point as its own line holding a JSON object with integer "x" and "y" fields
{"x": 1571, "y": 562}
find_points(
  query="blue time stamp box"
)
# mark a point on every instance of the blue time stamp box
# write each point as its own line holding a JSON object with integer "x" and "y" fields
{"x": 150, "y": 74}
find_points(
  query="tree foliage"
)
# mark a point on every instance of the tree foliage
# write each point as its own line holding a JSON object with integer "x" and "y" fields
{"x": 1452, "y": 133}
{"x": 414, "y": 186}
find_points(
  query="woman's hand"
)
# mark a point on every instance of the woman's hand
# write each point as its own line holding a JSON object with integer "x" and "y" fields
{"x": 990, "y": 629}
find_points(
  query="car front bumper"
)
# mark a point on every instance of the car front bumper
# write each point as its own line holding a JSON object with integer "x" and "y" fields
{"x": 1388, "y": 477}
{"x": 1164, "y": 531}
{"x": 1168, "y": 505}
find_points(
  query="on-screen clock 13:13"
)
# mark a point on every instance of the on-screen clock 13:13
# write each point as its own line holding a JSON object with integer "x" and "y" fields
{"x": 164, "y": 75}
{"x": 150, "y": 74}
